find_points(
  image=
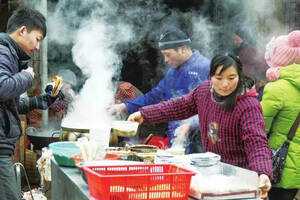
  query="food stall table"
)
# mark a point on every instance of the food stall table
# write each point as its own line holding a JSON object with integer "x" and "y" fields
{"x": 67, "y": 183}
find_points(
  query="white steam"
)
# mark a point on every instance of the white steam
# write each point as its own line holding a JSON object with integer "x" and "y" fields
{"x": 94, "y": 53}
{"x": 203, "y": 35}
{"x": 58, "y": 29}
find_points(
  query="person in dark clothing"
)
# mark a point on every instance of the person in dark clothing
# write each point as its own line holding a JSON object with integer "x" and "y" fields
{"x": 254, "y": 65}
{"x": 25, "y": 29}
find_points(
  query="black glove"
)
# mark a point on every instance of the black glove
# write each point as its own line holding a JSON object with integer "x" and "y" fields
{"x": 49, "y": 87}
{"x": 49, "y": 98}
{"x": 60, "y": 95}
{"x": 44, "y": 101}
{"x": 49, "y": 90}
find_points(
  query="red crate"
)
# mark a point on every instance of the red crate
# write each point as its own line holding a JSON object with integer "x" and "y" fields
{"x": 140, "y": 181}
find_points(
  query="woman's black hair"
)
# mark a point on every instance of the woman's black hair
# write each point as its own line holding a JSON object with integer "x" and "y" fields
{"x": 244, "y": 83}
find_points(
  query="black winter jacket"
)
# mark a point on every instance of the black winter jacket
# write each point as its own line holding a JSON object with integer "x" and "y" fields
{"x": 13, "y": 82}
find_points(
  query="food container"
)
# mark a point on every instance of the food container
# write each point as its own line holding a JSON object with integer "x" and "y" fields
{"x": 179, "y": 160}
{"x": 143, "y": 148}
{"x": 116, "y": 149}
{"x": 163, "y": 158}
{"x": 206, "y": 163}
{"x": 232, "y": 183}
{"x": 63, "y": 152}
{"x": 124, "y": 128}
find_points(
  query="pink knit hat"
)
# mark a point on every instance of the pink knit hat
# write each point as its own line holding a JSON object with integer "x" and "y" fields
{"x": 282, "y": 51}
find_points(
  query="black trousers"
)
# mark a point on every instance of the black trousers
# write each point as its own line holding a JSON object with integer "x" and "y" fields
{"x": 282, "y": 194}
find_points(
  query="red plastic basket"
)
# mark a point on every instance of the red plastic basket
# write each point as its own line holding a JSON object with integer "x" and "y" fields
{"x": 141, "y": 181}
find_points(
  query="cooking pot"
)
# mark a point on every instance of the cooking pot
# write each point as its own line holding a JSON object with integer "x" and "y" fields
{"x": 69, "y": 133}
{"x": 119, "y": 128}
{"x": 67, "y": 129}
{"x": 41, "y": 139}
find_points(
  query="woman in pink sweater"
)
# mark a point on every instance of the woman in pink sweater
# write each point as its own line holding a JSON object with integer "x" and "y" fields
{"x": 230, "y": 117}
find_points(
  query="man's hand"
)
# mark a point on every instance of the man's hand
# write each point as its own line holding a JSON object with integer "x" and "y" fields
{"x": 264, "y": 185}
{"x": 49, "y": 99}
{"x": 49, "y": 87}
{"x": 29, "y": 70}
{"x": 116, "y": 109}
{"x": 136, "y": 117}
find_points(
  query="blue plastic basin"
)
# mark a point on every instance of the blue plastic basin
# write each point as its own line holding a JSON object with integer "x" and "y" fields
{"x": 63, "y": 152}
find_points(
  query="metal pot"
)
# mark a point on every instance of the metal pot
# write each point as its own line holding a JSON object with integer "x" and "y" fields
{"x": 113, "y": 141}
{"x": 118, "y": 128}
{"x": 121, "y": 128}
{"x": 41, "y": 139}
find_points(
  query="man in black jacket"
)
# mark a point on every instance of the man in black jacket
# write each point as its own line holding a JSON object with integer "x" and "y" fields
{"x": 25, "y": 29}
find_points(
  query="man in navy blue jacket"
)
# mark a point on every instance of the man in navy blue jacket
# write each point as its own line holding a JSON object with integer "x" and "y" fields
{"x": 188, "y": 69}
{"x": 25, "y": 29}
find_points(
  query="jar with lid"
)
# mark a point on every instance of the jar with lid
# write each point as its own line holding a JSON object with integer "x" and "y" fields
{"x": 206, "y": 163}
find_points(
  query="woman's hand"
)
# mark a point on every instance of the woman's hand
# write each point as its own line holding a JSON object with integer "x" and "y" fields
{"x": 136, "y": 117}
{"x": 264, "y": 185}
